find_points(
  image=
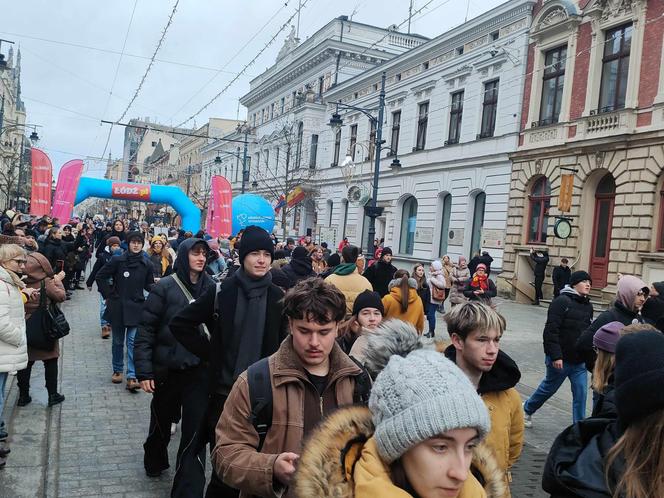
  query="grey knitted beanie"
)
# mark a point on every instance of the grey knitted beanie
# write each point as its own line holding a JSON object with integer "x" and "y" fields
{"x": 419, "y": 397}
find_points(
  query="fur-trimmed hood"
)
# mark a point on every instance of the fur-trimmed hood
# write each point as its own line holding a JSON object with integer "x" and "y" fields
{"x": 412, "y": 283}
{"x": 328, "y": 461}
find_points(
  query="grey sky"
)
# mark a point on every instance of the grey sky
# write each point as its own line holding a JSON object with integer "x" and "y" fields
{"x": 66, "y": 88}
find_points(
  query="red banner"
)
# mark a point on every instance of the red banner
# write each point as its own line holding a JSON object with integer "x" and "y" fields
{"x": 42, "y": 176}
{"x": 130, "y": 191}
{"x": 65, "y": 190}
{"x": 219, "y": 221}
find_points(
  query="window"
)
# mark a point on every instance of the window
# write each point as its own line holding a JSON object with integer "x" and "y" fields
{"x": 283, "y": 105}
{"x": 446, "y": 202}
{"x": 425, "y": 66}
{"x": 298, "y": 150}
{"x": 330, "y": 208}
{"x": 408, "y": 222}
{"x": 337, "y": 146}
{"x": 552, "y": 85}
{"x": 271, "y": 111}
{"x": 489, "y": 108}
{"x": 266, "y": 155}
{"x": 398, "y": 77}
{"x": 276, "y": 160}
{"x": 396, "y": 128}
{"x": 459, "y": 51}
{"x": 494, "y": 36}
{"x": 422, "y": 121}
{"x": 539, "y": 201}
{"x": 321, "y": 83}
{"x": 353, "y": 141}
{"x": 254, "y": 120}
{"x": 313, "y": 151}
{"x": 615, "y": 68}
{"x": 344, "y": 219}
{"x": 293, "y": 99}
{"x": 372, "y": 139}
{"x": 456, "y": 113}
{"x": 237, "y": 164}
{"x": 479, "y": 205}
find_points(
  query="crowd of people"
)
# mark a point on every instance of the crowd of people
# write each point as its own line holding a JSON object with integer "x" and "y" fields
{"x": 307, "y": 372}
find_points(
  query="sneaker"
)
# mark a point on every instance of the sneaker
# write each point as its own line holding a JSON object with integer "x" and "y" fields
{"x": 116, "y": 378}
{"x": 527, "y": 419}
{"x": 132, "y": 385}
{"x": 23, "y": 399}
{"x": 55, "y": 399}
{"x": 174, "y": 429}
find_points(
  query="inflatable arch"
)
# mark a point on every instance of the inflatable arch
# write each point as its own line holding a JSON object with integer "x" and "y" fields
{"x": 162, "y": 194}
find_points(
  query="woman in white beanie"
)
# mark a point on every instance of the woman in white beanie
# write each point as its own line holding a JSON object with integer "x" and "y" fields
{"x": 418, "y": 438}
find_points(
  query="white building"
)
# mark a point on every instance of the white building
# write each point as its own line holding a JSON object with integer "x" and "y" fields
{"x": 452, "y": 117}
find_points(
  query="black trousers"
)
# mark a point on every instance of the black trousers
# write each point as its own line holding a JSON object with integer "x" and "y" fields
{"x": 185, "y": 390}
{"x": 217, "y": 488}
{"x": 539, "y": 280}
{"x": 50, "y": 373}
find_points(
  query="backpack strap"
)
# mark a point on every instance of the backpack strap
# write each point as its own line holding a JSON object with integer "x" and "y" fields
{"x": 362, "y": 385}
{"x": 215, "y": 308}
{"x": 260, "y": 397}
{"x": 190, "y": 299}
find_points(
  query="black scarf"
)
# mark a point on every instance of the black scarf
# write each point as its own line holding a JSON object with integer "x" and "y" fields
{"x": 249, "y": 320}
{"x": 134, "y": 259}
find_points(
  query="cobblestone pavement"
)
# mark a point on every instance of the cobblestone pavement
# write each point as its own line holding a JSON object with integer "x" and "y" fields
{"x": 91, "y": 445}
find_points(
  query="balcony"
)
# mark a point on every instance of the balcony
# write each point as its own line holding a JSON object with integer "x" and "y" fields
{"x": 605, "y": 124}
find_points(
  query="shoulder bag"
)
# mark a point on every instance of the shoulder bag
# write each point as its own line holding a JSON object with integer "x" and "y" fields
{"x": 38, "y": 323}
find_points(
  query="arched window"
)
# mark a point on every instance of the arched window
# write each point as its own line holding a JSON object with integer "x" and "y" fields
{"x": 408, "y": 222}
{"x": 539, "y": 202}
{"x": 446, "y": 201}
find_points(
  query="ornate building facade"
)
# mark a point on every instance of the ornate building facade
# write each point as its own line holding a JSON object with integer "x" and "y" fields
{"x": 593, "y": 109}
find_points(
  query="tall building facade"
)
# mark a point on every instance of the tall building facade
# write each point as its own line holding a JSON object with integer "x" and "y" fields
{"x": 593, "y": 120}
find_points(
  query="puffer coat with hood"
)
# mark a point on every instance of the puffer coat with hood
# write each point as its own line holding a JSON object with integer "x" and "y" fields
{"x": 574, "y": 467}
{"x": 497, "y": 388}
{"x": 392, "y": 303}
{"x": 299, "y": 267}
{"x": 13, "y": 343}
{"x": 155, "y": 348}
{"x": 621, "y": 311}
{"x": 38, "y": 269}
{"x": 568, "y": 316}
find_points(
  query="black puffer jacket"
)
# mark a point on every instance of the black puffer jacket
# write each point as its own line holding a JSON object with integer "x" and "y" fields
{"x": 605, "y": 406}
{"x": 568, "y": 316}
{"x": 653, "y": 309}
{"x": 540, "y": 263}
{"x": 617, "y": 313}
{"x": 102, "y": 258}
{"x": 298, "y": 269}
{"x": 56, "y": 250}
{"x": 575, "y": 465}
{"x": 156, "y": 351}
{"x": 380, "y": 274}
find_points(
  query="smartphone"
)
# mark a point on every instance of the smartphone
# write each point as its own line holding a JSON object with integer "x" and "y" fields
{"x": 59, "y": 265}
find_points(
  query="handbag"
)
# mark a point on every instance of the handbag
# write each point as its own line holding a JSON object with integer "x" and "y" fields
{"x": 59, "y": 327}
{"x": 437, "y": 294}
{"x": 37, "y": 325}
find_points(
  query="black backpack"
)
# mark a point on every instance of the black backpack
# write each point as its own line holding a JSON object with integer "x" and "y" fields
{"x": 260, "y": 395}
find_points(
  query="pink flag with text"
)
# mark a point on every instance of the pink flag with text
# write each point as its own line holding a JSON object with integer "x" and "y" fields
{"x": 65, "y": 190}
{"x": 42, "y": 176}
{"x": 219, "y": 222}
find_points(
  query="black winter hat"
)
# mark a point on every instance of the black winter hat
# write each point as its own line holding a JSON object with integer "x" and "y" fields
{"x": 368, "y": 299}
{"x": 135, "y": 234}
{"x": 639, "y": 376}
{"x": 300, "y": 252}
{"x": 659, "y": 287}
{"x": 333, "y": 260}
{"x": 254, "y": 239}
{"x": 386, "y": 250}
{"x": 579, "y": 276}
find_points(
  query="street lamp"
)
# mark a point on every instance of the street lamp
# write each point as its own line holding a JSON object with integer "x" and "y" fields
{"x": 372, "y": 211}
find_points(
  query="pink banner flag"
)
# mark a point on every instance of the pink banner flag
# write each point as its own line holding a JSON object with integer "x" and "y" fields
{"x": 219, "y": 222}
{"x": 65, "y": 190}
{"x": 42, "y": 176}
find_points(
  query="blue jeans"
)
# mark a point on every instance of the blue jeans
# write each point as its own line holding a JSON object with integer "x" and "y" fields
{"x": 3, "y": 381}
{"x": 578, "y": 377}
{"x": 431, "y": 317}
{"x": 102, "y": 310}
{"x": 120, "y": 335}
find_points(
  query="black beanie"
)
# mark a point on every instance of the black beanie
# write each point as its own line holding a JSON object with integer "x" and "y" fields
{"x": 135, "y": 234}
{"x": 386, "y": 250}
{"x": 333, "y": 260}
{"x": 300, "y": 252}
{"x": 254, "y": 239}
{"x": 639, "y": 376}
{"x": 368, "y": 299}
{"x": 579, "y": 276}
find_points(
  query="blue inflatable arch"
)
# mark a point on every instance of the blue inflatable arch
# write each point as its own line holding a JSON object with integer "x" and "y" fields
{"x": 161, "y": 194}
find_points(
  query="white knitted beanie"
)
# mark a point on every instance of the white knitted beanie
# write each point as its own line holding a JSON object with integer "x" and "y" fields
{"x": 419, "y": 397}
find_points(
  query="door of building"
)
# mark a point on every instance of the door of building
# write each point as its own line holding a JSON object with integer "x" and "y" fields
{"x": 602, "y": 223}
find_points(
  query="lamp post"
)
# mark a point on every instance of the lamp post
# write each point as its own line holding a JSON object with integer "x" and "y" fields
{"x": 244, "y": 128}
{"x": 372, "y": 211}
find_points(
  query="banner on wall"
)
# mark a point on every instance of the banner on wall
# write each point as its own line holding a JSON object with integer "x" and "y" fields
{"x": 42, "y": 176}
{"x": 130, "y": 191}
{"x": 219, "y": 222}
{"x": 65, "y": 190}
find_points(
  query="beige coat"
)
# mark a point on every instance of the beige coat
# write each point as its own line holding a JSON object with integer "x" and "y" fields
{"x": 351, "y": 286}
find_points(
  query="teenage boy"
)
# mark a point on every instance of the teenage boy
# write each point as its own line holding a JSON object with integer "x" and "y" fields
{"x": 475, "y": 330}
{"x": 243, "y": 317}
{"x": 309, "y": 377}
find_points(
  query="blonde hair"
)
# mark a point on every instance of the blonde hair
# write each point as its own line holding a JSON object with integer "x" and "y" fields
{"x": 637, "y": 327}
{"x": 9, "y": 252}
{"x": 604, "y": 366}
{"x": 468, "y": 317}
{"x": 642, "y": 447}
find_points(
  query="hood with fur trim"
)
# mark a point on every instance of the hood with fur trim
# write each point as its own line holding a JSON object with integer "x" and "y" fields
{"x": 327, "y": 466}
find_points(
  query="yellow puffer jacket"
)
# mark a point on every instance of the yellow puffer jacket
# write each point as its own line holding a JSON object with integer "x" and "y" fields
{"x": 414, "y": 312}
{"x": 347, "y": 436}
{"x": 351, "y": 285}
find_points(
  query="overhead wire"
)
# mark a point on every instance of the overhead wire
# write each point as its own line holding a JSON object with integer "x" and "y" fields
{"x": 217, "y": 73}
{"x": 249, "y": 64}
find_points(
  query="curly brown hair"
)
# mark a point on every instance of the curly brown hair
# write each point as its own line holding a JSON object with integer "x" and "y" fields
{"x": 315, "y": 300}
